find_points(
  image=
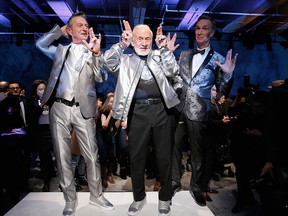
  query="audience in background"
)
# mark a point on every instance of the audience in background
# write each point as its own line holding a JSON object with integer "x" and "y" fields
{"x": 108, "y": 150}
{"x": 3, "y": 90}
{"x": 78, "y": 163}
{"x": 275, "y": 202}
{"x": 40, "y": 134}
{"x": 216, "y": 133}
{"x": 255, "y": 129}
{"x": 121, "y": 139}
{"x": 15, "y": 158}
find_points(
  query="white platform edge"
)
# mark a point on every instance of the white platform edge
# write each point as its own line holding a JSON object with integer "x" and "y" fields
{"x": 52, "y": 204}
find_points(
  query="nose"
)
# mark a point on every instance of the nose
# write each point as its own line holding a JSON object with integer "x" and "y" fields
{"x": 145, "y": 42}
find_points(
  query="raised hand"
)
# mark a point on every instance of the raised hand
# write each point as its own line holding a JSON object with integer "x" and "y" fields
{"x": 127, "y": 34}
{"x": 160, "y": 40}
{"x": 94, "y": 42}
{"x": 171, "y": 42}
{"x": 64, "y": 31}
{"x": 229, "y": 64}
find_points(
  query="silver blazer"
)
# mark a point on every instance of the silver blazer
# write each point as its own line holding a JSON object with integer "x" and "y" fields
{"x": 128, "y": 68}
{"x": 89, "y": 72}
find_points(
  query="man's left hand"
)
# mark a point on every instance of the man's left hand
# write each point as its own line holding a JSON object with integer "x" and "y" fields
{"x": 229, "y": 64}
{"x": 94, "y": 43}
{"x": 160, "y": 40}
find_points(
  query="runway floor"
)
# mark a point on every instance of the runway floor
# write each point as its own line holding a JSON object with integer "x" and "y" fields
{"x": 48, "y": 204}
{"x": 38, "y": 203}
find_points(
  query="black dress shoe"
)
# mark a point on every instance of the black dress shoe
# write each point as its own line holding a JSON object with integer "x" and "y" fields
{"x": 198, "y": 197}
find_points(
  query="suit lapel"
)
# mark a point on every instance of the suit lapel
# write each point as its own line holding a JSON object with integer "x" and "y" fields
{"x": 189, "y": 72}
{"x": 206, "y": 60}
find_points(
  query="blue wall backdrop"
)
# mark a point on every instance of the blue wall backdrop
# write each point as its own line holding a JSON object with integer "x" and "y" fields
{"x": 25, "y": 63}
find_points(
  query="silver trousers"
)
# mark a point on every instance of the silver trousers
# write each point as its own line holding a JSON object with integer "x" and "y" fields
{"x": 62, "y": 120}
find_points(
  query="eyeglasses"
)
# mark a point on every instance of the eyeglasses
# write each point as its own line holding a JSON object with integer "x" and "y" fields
{"x": 14, "y": 88}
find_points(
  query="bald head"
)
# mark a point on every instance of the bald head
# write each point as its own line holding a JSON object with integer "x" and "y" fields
{"x": 4, "y": 86}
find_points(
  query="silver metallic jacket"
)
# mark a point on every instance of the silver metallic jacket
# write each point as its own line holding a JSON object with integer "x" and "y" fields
{"x": 89, "y": 72}
{"x": 128, "y": 68}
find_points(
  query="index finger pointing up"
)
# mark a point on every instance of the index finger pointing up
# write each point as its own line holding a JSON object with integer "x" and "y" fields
{"x": 126, "y": 25}
{"x": 159, "y": 31}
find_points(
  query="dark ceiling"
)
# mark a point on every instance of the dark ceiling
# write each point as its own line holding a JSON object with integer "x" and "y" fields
{"x": 258, "y": 17}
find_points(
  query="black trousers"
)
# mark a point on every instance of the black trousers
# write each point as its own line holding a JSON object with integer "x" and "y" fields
{"x": 196, "y": 142}
{"x": 45, "y": 153}
{"x": 150, "y": 123}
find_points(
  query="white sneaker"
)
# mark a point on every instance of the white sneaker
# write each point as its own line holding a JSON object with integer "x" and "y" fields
{"x": 164, "y": 208}
{"x": 101, "y": 202}
{"x": 70, "y": 208}
{"x": 136, "y": 207}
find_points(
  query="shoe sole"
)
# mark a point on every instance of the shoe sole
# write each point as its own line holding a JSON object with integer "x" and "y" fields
{"x": 137, "y": 212}
{"x": 70, "y": 214}
{"x": 102, "y": 207}
{"x": 165, "y": 214}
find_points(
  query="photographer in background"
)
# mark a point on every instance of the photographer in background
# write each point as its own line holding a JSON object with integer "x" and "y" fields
{"x": 14, "y": 146}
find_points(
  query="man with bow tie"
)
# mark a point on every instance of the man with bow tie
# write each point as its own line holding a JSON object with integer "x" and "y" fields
{"x": 71, "y": 89}
{"x": 200, "y": 69}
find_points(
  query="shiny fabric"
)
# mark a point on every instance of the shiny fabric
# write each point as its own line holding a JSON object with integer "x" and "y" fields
{"x": 195, "y": 96}
{"x": 63, "y": 118}
{"x": 162, "y": 64}
{"x": 85, "y": 89}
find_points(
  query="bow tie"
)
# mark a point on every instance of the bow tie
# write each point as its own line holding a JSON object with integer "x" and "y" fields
{"x": 196, "y": 51}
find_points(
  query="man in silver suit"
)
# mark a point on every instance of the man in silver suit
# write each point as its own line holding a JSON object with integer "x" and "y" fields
{"x": 200, "y": 69}
{"x": 71, "y": 89}
{"x": 144, "y": 99}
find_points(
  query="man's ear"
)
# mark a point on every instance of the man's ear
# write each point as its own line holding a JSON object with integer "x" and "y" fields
{"x": 69, "y": 31}
{"x": 212, "y": 33}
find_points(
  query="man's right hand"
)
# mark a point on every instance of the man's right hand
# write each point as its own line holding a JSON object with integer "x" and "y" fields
{"x": 127, "y": 34}
{"x": 64, "y": 31}
{"x": 171, "y": 42}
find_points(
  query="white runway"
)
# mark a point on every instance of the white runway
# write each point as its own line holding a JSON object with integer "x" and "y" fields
{"x": 52, "y": 204}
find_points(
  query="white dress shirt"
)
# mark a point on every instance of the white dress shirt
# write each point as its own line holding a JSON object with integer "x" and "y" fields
{"x": 198, "y": 59}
